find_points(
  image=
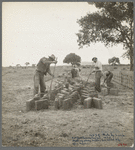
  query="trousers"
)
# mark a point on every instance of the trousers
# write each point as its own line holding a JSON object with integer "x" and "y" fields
{"x": 108, "y": 81}
{"x": 98, "y": 76}
{"x": 39, "y": 81}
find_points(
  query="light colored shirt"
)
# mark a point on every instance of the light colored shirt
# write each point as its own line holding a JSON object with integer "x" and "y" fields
{"x": 77, "y": 70}
{"x": 97, "y": 66}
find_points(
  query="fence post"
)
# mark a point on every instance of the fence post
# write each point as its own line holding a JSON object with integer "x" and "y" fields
{"x": 121, "y": 79}
{"x": 127, "y": 81}
{"x": 132, "y": 82}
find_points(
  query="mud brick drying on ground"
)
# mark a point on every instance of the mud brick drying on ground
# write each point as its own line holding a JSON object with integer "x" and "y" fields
{"x": 97, "y": 103}
{"x": 104, "y": 91}
{"x": 41, "y": 104}
{"x": 93, "y": 102}
{"x": 88, "y": 102}
{"x": 67, "y": 92}
{"x": 113, "y": 91}
{"x": 30, "y": 104}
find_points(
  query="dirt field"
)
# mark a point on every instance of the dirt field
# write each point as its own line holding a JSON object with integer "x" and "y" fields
{"x": 58, "y": 128}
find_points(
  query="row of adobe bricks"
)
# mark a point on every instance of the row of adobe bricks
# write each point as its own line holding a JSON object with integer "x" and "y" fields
{"x": 66, "y": 104}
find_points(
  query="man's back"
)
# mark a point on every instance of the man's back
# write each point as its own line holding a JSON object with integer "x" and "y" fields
{"x": 42, "y": 66}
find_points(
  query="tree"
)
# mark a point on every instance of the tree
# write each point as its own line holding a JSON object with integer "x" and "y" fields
{"x": 113, "y": 61}
{"x": 27, "y": 63}
{"x": 72, "y": 58}
{"x": 18, "y": 65}
{"x": 112, "y": 24}
{"x": 33, "y": 65}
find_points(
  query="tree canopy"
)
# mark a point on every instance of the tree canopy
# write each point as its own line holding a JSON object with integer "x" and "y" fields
{"x": 27, "y": 63}
{"x": 72, "y": 58}
{"x": 112, "y": 24}
{"x": 113, "y": 61}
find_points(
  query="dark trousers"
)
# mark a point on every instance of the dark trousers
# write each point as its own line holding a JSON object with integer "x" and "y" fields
{"x": 39, "y": 81}
{"x": 98, "y": 76}
{"x": 73, "y": 73}
{"x": 109, "y": 78}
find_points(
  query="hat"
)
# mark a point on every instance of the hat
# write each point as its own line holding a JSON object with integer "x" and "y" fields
{"x": 52, "y": 57}
{"x": 94, "y": 58}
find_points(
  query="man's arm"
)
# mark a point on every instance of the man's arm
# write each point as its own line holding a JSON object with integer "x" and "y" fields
{"x": 93, "y": 67}
{"x": 100, "y": 66}
{"x": 105, "y": 77}
{"x": 49, "y": 72}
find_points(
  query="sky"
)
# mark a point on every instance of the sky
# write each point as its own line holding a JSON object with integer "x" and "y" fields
{"x": 32, "y": 30}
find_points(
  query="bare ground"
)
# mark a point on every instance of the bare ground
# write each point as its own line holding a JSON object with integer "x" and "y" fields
{"x": 56, "y": 128}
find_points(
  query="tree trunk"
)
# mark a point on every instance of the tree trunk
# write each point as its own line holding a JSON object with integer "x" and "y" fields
{"x": 131, "y": 63}
{"x": 131, "y": 54}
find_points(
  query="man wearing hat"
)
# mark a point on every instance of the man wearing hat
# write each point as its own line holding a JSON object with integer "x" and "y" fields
{"x": 98, "y": 73}
{"x": 43, "y": 67}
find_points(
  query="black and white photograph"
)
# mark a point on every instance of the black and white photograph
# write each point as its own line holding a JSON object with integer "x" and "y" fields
{"x": 67, "y": 74}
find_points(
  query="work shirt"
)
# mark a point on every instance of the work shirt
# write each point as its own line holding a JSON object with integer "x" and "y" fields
{"x": 97, "y": 66}
{"x": 43, "y": 66}
{"x": 77, "y": 72}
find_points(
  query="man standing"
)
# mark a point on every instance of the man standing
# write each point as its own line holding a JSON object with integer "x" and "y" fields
{"x": 43, "y": 67}
{"x": 98, "y": 73}
{"x": 75, "y": 71}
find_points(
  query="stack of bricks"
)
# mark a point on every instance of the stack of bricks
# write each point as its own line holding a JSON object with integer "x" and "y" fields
{"x": 66, "y": 101}
{"x": 54, "y": 92}
{"x": 38, "y": 103}
{"x": 104, "y": 91}
{"x": 33, "y": 104}
{"x": 30, "y": 104}
{"x": 83, "y": 97}
{"x": 97, "y": 103}
{"x": 41, "y": 104}
{"x": 93, "y": 94}
{"x": 74, "y": 96}
{"x": 113, "y": 91}
{"x": 93, "y": 102}
{"x": 56, "y": 103}
{"x": 67, "y": 104}
{"x": 65, "y": 97}
{"x": 59, "y": 101}
{"x": 88, "y": 102}
{"x": 88, "y": 93}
